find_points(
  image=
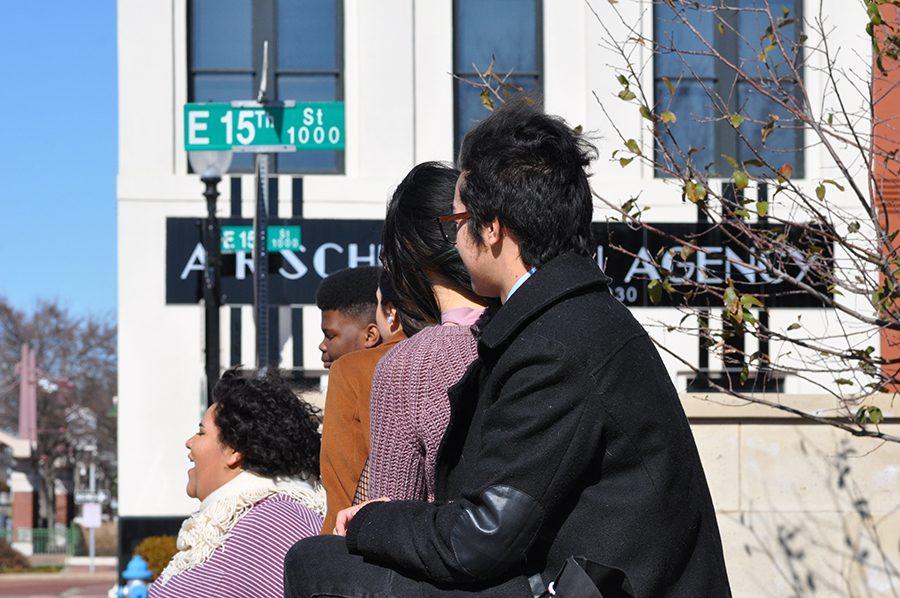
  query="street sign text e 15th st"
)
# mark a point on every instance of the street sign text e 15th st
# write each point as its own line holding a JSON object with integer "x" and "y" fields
{"x": 255, "y": 127}
{"x": 279, "y": 237}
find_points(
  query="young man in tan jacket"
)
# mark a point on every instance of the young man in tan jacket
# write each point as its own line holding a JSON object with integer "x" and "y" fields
{"x": 345, "y": 428}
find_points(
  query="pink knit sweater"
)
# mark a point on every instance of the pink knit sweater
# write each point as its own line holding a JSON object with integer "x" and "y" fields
{"x": 410, "y": 409}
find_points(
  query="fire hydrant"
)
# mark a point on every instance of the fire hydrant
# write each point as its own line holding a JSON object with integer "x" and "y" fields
{"x": 136, "y": 576}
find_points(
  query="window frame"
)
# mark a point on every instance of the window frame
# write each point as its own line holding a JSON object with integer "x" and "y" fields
{"x": 264, "y": 27}
{"x": 457, "y": 75}
{"x": 725, "y": 138}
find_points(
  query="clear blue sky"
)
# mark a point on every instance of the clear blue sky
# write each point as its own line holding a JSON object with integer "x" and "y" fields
{"x": 58, "y": 101}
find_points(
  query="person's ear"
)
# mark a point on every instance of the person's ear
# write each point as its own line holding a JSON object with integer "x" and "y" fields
{"x": 371, "y": 336}
{"x": 393, "y": 320}
{"x": 492, "y": 233}
{"x": 234, "y": 459}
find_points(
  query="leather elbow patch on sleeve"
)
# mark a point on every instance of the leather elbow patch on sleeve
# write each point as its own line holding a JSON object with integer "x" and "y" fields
{"x": 492, "y": 535}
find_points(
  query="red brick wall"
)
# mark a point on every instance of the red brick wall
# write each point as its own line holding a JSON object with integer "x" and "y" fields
{"x": 886, "y": 131}
{"x": 64, "y": 509}
{"x": 24, "y": 509}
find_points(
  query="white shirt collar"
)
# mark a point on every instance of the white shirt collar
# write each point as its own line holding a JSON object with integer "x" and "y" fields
{"x": 520, "y": 282}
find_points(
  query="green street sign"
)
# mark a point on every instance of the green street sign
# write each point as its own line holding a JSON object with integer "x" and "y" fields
{"x": 283, "y": 238}
{"x": 254, "y": 127}
{"x": 236, "y": 239}
{"x": 239, "y": 239}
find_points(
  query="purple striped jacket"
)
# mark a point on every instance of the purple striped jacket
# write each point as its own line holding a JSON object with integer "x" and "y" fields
{"x": 251, "y": 562}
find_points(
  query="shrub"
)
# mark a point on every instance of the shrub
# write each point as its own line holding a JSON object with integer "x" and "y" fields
{"x": 157, "y": 551}
{"x": 11, "y": 559}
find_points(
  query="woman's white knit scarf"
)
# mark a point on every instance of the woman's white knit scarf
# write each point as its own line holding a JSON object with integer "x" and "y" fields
{"x": 209, "y": 527}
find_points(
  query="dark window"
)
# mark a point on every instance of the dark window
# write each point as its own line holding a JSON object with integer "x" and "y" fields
{"x": 704, "y": 88}
{"x": 305, "y": 61}
{"x": 507, "y": 30}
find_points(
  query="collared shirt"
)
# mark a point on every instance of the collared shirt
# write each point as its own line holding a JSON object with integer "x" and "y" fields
{"x": 520, "y": 282}
{"x": 462, "y": 316}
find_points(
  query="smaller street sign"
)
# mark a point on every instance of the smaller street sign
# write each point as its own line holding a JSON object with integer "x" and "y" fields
{"x": 239, "y": 239}
{"x": 272, "y": 127}
{"x": 283, "y": 238}
{"x": 236, "y": 239}
{"x": 83, "y": 497}
{"x": 91, "y": 515}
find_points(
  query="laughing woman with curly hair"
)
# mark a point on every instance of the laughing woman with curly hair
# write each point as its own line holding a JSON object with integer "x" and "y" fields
{"x": 255, "y": 470}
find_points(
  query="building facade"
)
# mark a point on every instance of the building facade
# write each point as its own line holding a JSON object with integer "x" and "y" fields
{"x": 788, "y": 513}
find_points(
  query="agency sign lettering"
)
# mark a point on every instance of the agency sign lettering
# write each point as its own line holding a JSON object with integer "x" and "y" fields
{"x": 633, "y": 258}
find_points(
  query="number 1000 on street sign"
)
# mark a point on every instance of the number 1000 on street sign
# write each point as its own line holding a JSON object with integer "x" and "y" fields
{"x": 252, "y": 127}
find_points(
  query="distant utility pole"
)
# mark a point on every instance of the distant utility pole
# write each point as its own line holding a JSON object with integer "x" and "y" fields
{"x": 28, "y": 395}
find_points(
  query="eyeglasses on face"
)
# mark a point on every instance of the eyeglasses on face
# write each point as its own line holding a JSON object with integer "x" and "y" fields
{"x": 450, "y": 225}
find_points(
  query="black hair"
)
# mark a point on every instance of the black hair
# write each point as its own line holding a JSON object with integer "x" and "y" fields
{"x": 413, "y": 247}
{"x": 276, "y": 431}
{"x": 390, "y": 297}
{"x": 351, "y": 291}
{"x": 527, "y": 169}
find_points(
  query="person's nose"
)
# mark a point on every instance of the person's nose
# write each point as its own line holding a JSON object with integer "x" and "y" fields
{"x": 187, "y": 443}
{"x": 322, "y": 346}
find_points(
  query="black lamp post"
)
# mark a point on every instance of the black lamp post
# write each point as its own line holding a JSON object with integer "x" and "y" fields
{"x": 211, "y": 166}
{"x": 211, "y": 288}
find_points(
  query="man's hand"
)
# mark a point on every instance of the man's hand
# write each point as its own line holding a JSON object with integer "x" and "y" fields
{"x": 345, "y": 515}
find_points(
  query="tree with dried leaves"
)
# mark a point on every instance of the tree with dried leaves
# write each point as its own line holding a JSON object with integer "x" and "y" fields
{"x": 776, "y": 132}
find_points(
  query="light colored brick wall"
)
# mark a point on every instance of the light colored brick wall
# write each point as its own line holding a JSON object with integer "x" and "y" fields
{"x": 803, "y": 509}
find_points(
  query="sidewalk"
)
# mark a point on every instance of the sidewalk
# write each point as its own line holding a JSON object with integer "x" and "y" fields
{"x": 68, "y": 583}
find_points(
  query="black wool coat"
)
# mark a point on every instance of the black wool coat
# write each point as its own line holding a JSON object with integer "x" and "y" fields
{"x": 566, "y": 438}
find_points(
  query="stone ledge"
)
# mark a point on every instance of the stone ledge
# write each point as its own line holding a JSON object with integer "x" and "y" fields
{"x": 723, "y": 406}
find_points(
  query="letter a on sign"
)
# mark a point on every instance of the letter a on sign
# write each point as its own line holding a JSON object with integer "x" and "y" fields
{"x": 195, "y": 263}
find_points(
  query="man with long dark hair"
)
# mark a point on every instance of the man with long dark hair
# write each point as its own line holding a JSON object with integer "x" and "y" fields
{"x": 568, "y": 458}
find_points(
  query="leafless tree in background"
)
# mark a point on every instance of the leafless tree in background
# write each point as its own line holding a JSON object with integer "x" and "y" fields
{"x": 76, "y": 357}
